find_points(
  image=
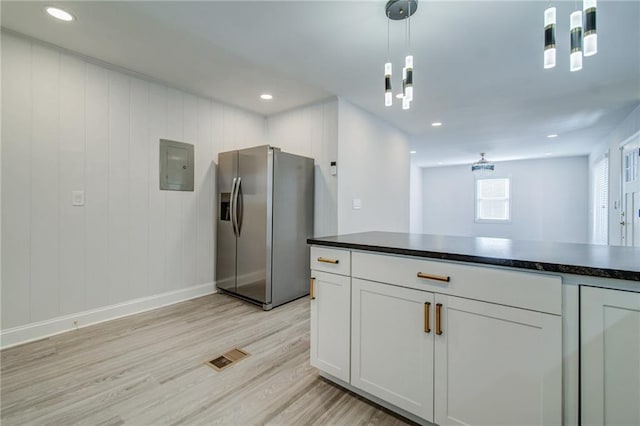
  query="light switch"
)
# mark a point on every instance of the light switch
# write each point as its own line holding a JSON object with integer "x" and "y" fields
{"x": 334, "y": 168}
{"x": 357, "y": 203}
{"x": 77, "y": 198}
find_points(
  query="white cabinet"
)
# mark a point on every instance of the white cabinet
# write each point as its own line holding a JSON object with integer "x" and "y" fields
{"x": 610, "y": 351}
{"x": 392, "y": 345}
{"x": 330, "y": 323}
{"x": 449, "y": 343}
{"x": 496, "y": 365}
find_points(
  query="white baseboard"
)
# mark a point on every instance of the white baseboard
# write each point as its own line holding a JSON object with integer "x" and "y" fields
{"x": 39, "y": 330}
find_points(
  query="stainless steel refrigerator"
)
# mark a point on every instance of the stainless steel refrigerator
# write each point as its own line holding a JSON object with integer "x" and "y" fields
{"x": 264, "y": 216}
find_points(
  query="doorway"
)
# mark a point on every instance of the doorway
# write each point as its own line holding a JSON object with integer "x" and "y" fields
{"x": 630, "y": 215}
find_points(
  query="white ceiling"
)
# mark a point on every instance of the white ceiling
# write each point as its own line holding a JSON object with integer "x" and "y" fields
{"x": 478, "y": 64}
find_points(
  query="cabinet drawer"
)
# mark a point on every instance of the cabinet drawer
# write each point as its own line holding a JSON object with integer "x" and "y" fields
{"x": 331, "y": 260}
{"x": 538, "y": 292}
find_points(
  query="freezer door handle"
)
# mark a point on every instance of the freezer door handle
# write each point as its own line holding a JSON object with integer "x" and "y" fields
{"x": 238, "y": 206}
{"x": 233, "y": 207}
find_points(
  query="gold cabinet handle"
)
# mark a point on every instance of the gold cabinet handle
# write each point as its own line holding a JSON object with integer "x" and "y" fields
{"x": 312, "y": 290}
{"x": 327, "y": 260}
{"x": 438, "y": 319}
{"x": 427, "y": 327}
{"x": 434, "y": 277}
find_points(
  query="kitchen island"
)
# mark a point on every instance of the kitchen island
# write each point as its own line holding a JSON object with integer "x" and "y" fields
{"x": 458, "y": 330}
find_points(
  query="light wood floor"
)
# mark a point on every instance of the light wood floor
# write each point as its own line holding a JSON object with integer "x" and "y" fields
{"x": 148, "y": 369}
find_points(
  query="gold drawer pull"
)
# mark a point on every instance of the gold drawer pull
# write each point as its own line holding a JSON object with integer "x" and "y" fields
{"x": 312, "y": 290}
{"x": 434, "y": 277}
{"x": 327, "y": 260}
{"x": 438, "y": 319}
{"x": 427, "y": 327}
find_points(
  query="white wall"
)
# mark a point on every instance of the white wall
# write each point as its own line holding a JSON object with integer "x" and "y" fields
{"x": 312, "y": 131}
{"x": 68, "y": 124}
{"x": 611, "y": 146}
{"x": 549, "y": 201}
{"x": 415, "y": 200}
{"x": 372, "y": 160}
{"x": 373, "y": 166}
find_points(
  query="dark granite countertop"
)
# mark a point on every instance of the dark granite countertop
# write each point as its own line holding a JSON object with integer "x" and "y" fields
{"x": 581, "y": 259}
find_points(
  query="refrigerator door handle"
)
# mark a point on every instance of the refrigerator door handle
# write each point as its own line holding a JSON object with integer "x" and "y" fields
{"x": 238, "y": 206}
{"x": 233, "y": 207}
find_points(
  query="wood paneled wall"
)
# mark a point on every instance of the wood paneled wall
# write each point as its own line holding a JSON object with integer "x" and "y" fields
{"x": 68, "y": 124}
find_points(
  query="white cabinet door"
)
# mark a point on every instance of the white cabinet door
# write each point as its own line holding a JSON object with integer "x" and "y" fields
{"x": 610, "y": 349}
{"x": 391, "y": 351}
{"x": 330, "y": 323}
{"x": 496, "y": 365}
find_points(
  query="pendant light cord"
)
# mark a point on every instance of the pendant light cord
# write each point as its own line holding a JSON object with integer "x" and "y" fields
{"x": 388, "y": 49}
{"x": 409, "y": 28}
{"x": 406, "y": 32}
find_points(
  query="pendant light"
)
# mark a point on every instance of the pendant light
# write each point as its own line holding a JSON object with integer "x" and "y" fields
{"x": 482, "y": 166}
{"x": 550, "y": 37}
{"x": 590, "y": 34}
{"x": 575, "y": 59}
{"x": 400, "y": 10}
{"x": 583, "y": 41}
{"x": 388, "y": 93}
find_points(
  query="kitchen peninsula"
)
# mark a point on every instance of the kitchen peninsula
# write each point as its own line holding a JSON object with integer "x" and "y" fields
{"x": 461, "y": 330}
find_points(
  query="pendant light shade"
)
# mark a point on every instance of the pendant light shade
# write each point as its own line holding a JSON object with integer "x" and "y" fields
{"x": 388, "y": 95}
{"x": 575, "y": 59}
{"x": 408, "y": 64}
{"x": 590, "y": 34}
{"x": 482, "y": 166}
{"x": 406, "y": 104}
{"x": 404, "y": 82}
{"x": 550, "y": 37}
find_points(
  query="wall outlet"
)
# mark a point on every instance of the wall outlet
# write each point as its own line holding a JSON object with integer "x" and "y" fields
{"x": 357, "y": 203}
{"x": 77, "y": 198}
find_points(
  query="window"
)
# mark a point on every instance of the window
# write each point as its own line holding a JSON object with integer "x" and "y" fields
{"x": 600, "y": 202}
{"x": 631, "y": 165}
{"x": 492, "y": 200}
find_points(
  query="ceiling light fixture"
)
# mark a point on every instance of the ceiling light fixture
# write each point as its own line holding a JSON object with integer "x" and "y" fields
{"x": 400, "y": 10}
{"x": 552, "y": 135}
{"x": 575, "y": 59}
{"x": 60, "y": 14}
{"x": 436, "y": 124}
{"x": 590, "y": 34}
{"x": 482, "y": 166}
{"x": 412, "y": 152}
{"x": 583, "y": 35}
{"x": 550, "y": 37}
{"x": 266, "y": 97}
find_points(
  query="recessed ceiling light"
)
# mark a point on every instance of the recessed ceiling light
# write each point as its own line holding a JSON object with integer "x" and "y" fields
{"x": 412, "y": 152}
{"x": 436, "y": 124}
{"x": 552, "y": 135}
{"x": 60, "y": 14}
{"x": 266, "y": 97}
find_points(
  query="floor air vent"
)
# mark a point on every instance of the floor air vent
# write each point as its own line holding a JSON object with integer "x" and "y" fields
{"x": 227, "y": 359}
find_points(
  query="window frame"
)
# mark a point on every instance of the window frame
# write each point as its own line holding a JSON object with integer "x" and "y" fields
{"x": 509, "y": 199}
